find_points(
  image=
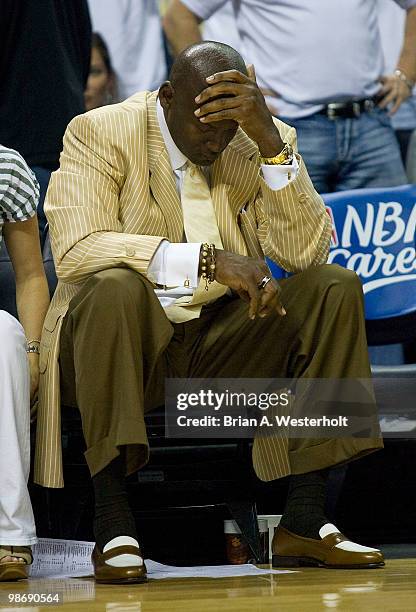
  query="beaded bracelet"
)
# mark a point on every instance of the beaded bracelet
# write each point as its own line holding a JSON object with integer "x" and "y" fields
{"x": 208, "y": 264}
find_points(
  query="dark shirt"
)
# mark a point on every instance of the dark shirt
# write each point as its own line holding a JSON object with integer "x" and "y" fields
{"x": 45, "y": 50}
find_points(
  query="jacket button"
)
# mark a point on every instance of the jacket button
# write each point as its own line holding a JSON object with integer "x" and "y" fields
{"x": 302, "y": 197}
{"x": 130, "y": 251}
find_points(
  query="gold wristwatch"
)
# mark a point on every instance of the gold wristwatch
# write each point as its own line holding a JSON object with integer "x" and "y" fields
{"x": 284, "y": 158}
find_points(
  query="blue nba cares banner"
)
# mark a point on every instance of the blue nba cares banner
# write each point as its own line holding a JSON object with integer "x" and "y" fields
{"x": 374, "y": 235}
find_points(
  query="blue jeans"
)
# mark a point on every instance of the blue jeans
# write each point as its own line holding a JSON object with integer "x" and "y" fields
{"x": 345, "y": 154}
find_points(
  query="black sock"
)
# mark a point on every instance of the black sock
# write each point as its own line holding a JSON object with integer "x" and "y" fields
{"x": 113, "y": 516}
{"x": 305, "y": 505}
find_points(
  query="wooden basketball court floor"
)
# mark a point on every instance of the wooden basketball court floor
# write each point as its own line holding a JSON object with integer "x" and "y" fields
{"x": 390, "y": 589}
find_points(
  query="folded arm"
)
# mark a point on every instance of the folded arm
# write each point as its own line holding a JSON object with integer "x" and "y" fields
{"x": 294, "y": 229}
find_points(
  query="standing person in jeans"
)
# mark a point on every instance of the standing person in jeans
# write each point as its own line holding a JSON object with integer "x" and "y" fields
{"x": 44, "y": 64}
{"x": 321, "y": 64}
{"x": 19, "y": 361}
{"x": 392, "y": 21}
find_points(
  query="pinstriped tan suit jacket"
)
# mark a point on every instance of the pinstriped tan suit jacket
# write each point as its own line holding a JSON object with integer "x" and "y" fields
{"x": 114, "y": 200}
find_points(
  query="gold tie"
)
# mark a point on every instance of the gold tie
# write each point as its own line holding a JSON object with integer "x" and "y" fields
{"x": 200, "y": 226}
{"x": 198, "y": 212}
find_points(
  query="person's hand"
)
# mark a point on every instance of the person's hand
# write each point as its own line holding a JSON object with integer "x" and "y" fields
{"x": 34, "y": 374}
{"x": 394, "y": 91}
{"x": 243, "y": 275}
{"x": 231, "y": 95}
{"x": 34, "y": 384}
{"x": 34, "y": 408}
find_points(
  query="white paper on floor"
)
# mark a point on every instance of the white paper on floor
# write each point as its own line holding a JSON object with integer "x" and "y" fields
{"x": 72, "y": 559}
{"x": 158, "y": 570}
{"x": 61, "y": 558}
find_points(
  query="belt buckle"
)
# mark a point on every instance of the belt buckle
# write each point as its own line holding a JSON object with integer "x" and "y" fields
{"x": 331, "y": 111}
{"x": 369, "y": 105}
{"x": 356, "y": 110}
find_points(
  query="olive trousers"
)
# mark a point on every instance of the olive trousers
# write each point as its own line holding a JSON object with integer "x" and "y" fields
{"x": 117, "y": 346}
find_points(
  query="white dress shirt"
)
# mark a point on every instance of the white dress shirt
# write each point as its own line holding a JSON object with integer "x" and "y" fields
{"x": 174, "y": 262}
{"x": 308, "y": 52}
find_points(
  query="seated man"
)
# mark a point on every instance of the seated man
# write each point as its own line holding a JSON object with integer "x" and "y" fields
{"x": 142, "y": 185}
{"x": 19, "y": 361}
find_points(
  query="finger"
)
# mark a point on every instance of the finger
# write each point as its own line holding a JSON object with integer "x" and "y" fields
{"x": 270, "y": 290}
{"x": 267, "y": 304}
{"x": 34, "y": 408}
{"x": 33, "y": 392}
{"x": 218, "y": 105}
{"x": 254, "y": 300}
{"x": 396, "y": 105}
{"x": 385, "y": 89}
{"x": 222, "y": 89}
{"x": 233, "y": 114}
{"x": 390, "y": 97}
{"x": 403, "y": 92}
{"x": 280, "y": 309}
{"x": 227, "y": 75}
{"x": 270, "y": 300}
{"x": 274, "y": 306}
{"x": 251, "y": 71}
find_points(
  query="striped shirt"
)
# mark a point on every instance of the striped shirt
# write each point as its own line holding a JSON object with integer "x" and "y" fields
{"x": 19, "y": 189}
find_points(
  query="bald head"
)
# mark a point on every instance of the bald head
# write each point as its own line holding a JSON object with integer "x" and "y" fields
{"x": 199, "y": 61}
{"x": 202, "y": 144}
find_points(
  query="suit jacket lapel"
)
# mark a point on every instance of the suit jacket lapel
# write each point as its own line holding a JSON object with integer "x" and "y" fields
{"x": 162, "y": 181}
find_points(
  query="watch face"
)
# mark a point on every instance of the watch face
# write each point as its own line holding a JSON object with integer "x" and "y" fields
{"x": 288, "y": 153}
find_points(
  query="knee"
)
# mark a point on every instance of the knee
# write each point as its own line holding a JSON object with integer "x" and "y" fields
{"x": 338, "y": 279}
{"x": 111, "y": 292}
{"x": 118, "y": 284}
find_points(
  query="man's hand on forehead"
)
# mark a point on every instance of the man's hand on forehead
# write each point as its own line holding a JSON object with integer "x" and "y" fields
{"x": 234, "y": 96}
{"x": 227, "y": 83}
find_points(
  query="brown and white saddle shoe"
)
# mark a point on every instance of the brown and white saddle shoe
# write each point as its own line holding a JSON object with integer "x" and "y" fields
{"x": 120, "y": 562}
{"x": 333, "y": 550}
